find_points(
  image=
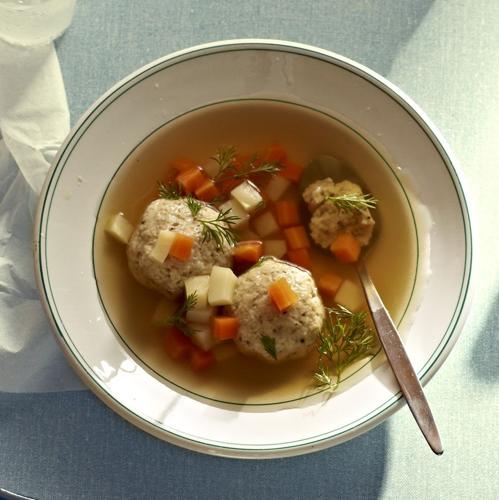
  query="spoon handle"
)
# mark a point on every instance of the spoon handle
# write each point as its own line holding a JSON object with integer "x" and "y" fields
{"x": 400, "y": 363}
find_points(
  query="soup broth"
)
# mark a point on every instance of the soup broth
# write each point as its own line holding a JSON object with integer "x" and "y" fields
{"x": 249, "y": 126}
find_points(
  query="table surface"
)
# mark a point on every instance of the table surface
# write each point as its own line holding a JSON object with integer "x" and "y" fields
{"x": 445, "y": 56}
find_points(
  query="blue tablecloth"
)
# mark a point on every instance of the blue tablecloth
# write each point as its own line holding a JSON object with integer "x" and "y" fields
{"x": 445, "y": 55}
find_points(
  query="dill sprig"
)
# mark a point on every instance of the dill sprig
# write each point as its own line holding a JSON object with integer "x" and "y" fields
{"x": 218, "y": 229}
{"x": 178, "y": 319}
{"x": 344, "y": 338}
{"x": 170, "y": 191}
{"x": 269, "y": 345}
{"x": 228, "y": 169}
{"x": 352, "y": 202}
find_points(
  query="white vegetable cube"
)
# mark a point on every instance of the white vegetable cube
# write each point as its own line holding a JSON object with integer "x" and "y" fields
{"x": 265, "y": 224}
{"x": 222, "y": 284}
{"x": 276, "y": 187}
{"x": 211, "y": 167}
{"x": 237, "y": 210}
{"x": 198, "y": 285}
{"x": 202, "y": 316}
{"x": 162, "y": 246}
{"x": 247, "y": 195}
{"x": 202, "y": 336}
{"x": 276, "y": 248}
{"x": 119, "y": 228}
{"x": 350, "y": 295}
{"x": 248, "y": 235}
{"x": 163, "y": 312}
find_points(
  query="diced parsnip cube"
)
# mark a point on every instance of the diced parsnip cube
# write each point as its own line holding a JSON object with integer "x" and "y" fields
{"x": 222, "y": 283}
{"x": 163, "y": 312}
{"x": 276, "y": 187}
{"x": 202, "y": 336}
{"x": 265, "y": 224}
{"x": 247, "y": 195}
{"x": 202, "y": 316}
{"x": 350, "y": 296}
{"x": 248, "y": 235}
{"x": 198, "y": 285}
{"x": 276, "y": 248}
{"x": 119, "y": 228}
{"x": 211, "y": 167}
{"x": 162, "y": 247}
{"x": 237, "y": 210}
{"x": 224, "y": 351}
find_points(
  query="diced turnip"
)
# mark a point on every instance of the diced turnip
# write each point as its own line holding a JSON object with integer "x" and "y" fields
{"x": 237, "y": 210}
{"x": 276, "y": 187}
{"x": 248, "y": 196}
{"x": 202, "y": 336}
{"x": 162, "y": 246}
{"x": 276, "y": 248}
{"x": 198, "y": 285}
{"x": 222, "y": 283}
{"x": 265, "y": 224}
{"x": 202, "y": 316}
{"x": 163, "y": 312}
{"x": 224, "y": 351}
{"x": 119, "y": 228}
{"x": 211, "y": 167}
{"x": 350, "y": 296}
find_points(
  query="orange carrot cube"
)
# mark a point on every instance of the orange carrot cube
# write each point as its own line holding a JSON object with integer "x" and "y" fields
{"x": 191, "y": 179}
{"x": 200, "y": 360}
{"x": 275, "y": 154}
{"x": 282, "y": 295}
{"x": 225, "y": 327}
{"x": 328, "y": 284}
{"x": 346, "y": 248}
{"x": 296, "y": 237}
{"x": 300, "y": 257}
{"x": 292, "y": 171}
{"x": 207, "y": 191}
{"x": 287, "y": 213}
{"x": 177, "y": 344}
{"x": 181, "y": 247}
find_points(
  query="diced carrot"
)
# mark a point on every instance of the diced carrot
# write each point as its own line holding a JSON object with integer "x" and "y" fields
{"x": 346, "y": 248}
{"x": 300, "y": 257}
{"x": 275, "y": 154}
{"x": 329, "y": 284}
{"x": 240, "y": 160}
{"x": 181, "y": 247}
{"x": 296, "y": 237}
{"x": 177, "y": 344}
{"x": 292, "y": 171}
{"x": 181, "y": 164}
{"x": 225, "y": 327}
{"x": 191, "y": 179}
{"x": 282, "y": 295}
{"x": 200, "y": 360}
{"x": 207, "y": 191}
{"x": 248, "y": 251}
{"x": 287, "y": 213}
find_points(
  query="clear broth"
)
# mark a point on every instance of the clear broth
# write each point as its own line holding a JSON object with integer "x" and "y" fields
{"x": 250, "y": 126}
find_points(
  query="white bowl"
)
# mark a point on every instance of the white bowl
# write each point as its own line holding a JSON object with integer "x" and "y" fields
{"x": 248, "y": 69}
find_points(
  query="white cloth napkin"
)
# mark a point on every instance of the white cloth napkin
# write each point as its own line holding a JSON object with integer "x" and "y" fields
{"x": 34, "y": 120}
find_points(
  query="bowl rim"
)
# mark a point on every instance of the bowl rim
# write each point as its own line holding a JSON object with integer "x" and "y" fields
{"x": 396, "y": 401}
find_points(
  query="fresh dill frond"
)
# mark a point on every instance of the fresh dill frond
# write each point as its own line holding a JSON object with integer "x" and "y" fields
{"x": 170, "y": 191}
{"x": 219, "y": 229}
{"x": 269, "y": 345}
{"x": 345, "y": 338}
{"x": 224, "y": 157}
{"x": 178, "y": 319}
{"x": 352, "y": 202}
{"x": 229, "y": 170}
{"x": 193, "y": 205}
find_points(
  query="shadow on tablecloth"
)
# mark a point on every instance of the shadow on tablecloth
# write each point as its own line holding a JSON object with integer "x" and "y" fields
{"x": 69, "y": 445}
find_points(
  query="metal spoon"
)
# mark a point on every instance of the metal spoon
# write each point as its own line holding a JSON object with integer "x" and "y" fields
{"x": 403, "y": 370}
